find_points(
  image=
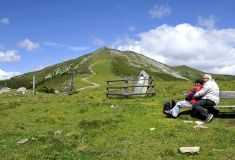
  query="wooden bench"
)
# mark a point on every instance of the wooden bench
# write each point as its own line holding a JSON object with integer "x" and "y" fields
{"x": 226, "y": 94}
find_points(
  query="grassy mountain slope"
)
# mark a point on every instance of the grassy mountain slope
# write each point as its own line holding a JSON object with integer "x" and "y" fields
{"x": 130, "y": 63}
{"x": 55, "y": 74}
{"x": 188, "y": 72}
{"x": 90, "y": 126}
{"x": 107, "y": 64}
{"x": 87, "y": 125}
{"x": 192, "y": 73}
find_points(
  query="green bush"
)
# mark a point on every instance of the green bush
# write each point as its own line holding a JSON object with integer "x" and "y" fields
{"x": 45, "y": 89}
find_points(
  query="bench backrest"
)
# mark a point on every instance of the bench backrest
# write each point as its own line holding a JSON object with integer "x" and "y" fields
{"x": 227, "y": 94}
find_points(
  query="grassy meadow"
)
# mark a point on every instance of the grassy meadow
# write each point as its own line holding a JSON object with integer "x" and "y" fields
{"x": 87, "y": 125}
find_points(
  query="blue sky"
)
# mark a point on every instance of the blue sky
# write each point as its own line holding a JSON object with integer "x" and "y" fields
{"x": 35, "y": 34}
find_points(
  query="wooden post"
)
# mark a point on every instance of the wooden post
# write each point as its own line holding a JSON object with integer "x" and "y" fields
{"x": 71, "y": 82}
{"x": 153, "y": 87}
{"x": 126, "y": 89}
{"x": 107, "y": 89}
{"x": 132, "y": 84}
{"x": 33, "y": 85}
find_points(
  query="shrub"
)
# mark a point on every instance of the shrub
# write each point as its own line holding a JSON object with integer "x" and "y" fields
{"x": 45, "y": 89}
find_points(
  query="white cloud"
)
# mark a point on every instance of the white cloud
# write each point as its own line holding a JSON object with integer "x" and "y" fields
{"x": 207, "y": 22}
{"x": 28, "y": 45}
{"x": 158, "y": 11}
{"x": 5, "y": 21}
{"x": 59, "y": 45}
{"x": 9, "y": 56}
{"x": 184, "y": 44}
{"x": 98, "y": 42}
{"x": 7, "y": 75}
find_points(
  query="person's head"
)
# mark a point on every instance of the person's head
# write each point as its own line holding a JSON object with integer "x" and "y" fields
{"x": 198, "y": 82}
{"x": 206, "y": 77}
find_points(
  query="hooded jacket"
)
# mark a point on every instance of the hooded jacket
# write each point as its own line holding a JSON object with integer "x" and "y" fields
{"x": 209, "y": 91}
{"x": 191, "y": 92}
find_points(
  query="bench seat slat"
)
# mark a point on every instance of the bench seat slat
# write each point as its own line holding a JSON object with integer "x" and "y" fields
{"x": 227, "y": 94}
{"x": 220, "y": 106}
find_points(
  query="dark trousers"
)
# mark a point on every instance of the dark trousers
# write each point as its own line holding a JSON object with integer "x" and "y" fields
{"x": 202, "y": 106}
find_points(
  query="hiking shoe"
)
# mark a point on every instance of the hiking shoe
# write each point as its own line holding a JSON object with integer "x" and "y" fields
{"x": 168, "y": 113}
{"x": 209, "y": 117}
{"x": 215, "y": 112}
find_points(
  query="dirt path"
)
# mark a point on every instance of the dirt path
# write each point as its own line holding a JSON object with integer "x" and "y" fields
{"x": 93, "y": 84}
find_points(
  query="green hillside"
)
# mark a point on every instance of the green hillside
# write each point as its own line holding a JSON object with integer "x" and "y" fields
{"x": 106, "y": 64}
{"x": 88, "y": 126}
{"x": 59, "y": 74}
{"x": 188, "y": 72}
{"x": 192, "y": 73}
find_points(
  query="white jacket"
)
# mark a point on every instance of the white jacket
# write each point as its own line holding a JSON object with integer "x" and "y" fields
{"x": 209, "y": 91}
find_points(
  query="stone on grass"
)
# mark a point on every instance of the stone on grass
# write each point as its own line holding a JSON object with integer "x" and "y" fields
{"x": 33, "y": 138}
{"x": 21, "y": 89}
{"x": 189, "y": 149}
{"x": 57, "y": 92}
{"x": 72, "y": 133}
{"x": 4, "y": 90}
{"x": 185, "y": 121}
{"x": 81, "y": 147}
{"x": 200, "y": 126}
{"x": 23, "y": 141}
{"x": 199, "y": 122}
{"x": 58, "y": 132}
{"x": 152, "y": 129}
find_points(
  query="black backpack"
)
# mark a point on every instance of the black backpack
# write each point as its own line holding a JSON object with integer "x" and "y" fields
{"x": 168, "y": 105}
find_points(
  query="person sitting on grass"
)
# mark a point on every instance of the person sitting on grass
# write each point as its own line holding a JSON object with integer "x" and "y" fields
{"x": 188, "y": 102}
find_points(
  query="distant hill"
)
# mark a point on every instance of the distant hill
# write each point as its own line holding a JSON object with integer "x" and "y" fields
{"x": 191, "y": 73}
{"x": 188, "y": 72}
{"x": 108, "y": 64}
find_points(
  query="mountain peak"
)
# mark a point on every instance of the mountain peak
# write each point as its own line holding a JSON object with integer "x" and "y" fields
{"x": 102, "y": 49}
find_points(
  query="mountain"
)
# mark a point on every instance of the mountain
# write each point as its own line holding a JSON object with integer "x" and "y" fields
{"x": 99, "y": 66}
{"x": 188, "y": 72}
{"x": 191, "y": 73}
